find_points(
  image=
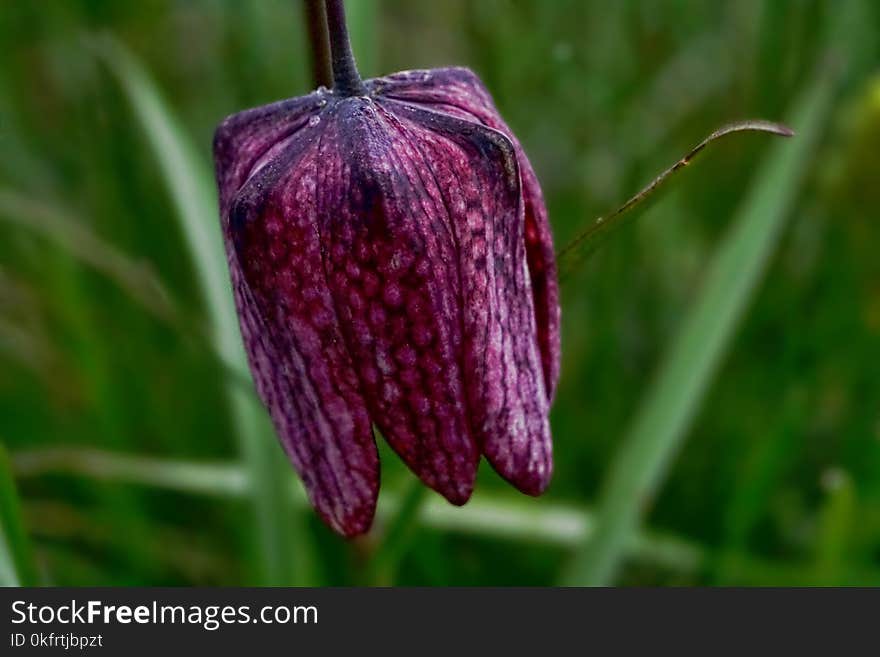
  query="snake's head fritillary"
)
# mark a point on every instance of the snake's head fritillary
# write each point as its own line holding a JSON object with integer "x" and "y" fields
{"x": 392, "y": 265}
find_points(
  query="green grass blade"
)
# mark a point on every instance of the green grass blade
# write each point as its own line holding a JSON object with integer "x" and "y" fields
{"x": 398, "y": 535}
{"x": 285, "y": 553}
{"x": 837, "y": 518}
{"x": 16, "y": 563}
{"x": 487, "y": 515}
{"x": 190, "y": 183}
{"x": 687, "y": 370}
{"x": 67, "y": 233}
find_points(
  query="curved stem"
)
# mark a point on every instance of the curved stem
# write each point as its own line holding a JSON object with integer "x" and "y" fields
{"x": 590, "y": 239}
{"x": 346, "y": 79}
{"x": 319, "y": 42}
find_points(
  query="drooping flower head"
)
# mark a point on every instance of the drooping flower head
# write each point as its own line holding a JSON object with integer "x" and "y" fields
{"x": 392, "y": 265}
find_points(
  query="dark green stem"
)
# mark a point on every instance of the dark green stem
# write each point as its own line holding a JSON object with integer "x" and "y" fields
{"x": 346, "y": 79}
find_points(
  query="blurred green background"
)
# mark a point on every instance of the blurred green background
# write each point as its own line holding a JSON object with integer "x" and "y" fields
{"x": 718, "y": 420}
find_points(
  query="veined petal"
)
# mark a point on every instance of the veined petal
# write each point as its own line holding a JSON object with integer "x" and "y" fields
{"x": 291, "y": 332}
{"x": 542, "y": 271}
{"x": 475, "y": 170}
{"x": 459, "y": 92}
{"x": 391, "y": 262}
{"x": 246, "y": 140}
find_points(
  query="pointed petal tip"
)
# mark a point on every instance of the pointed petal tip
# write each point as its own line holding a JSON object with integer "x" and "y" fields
{"x": 531, "y": 477}
{"x": 532, "y": 484}
{"x": 351, "y": 528}
{"x": 459, "y": 496}
{"x": 536, "y": 487}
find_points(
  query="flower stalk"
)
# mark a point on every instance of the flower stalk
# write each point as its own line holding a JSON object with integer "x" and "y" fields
{"x": 346, "y": 78}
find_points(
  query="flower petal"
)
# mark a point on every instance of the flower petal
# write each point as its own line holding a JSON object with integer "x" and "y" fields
{"x": 391, "y": 263}
{"x": 475, "y": 168}
{"x": 302, "y": 370}
{"x": 458, "y": 91}
{"x": 542, "y": 271}
{"x": 245, "y": 141}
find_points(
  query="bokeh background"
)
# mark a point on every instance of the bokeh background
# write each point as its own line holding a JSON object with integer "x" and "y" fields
{"x": 718, "y": 420}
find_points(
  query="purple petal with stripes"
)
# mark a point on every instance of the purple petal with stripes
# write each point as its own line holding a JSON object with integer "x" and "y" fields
{"x": 459, "y": 92}
{"x": 391, "y": 264}
{"x": 476, "y": 169}
{"x": 292, "y": 335}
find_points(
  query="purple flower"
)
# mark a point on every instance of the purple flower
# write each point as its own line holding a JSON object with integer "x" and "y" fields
{"x": 393, "y": 265}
